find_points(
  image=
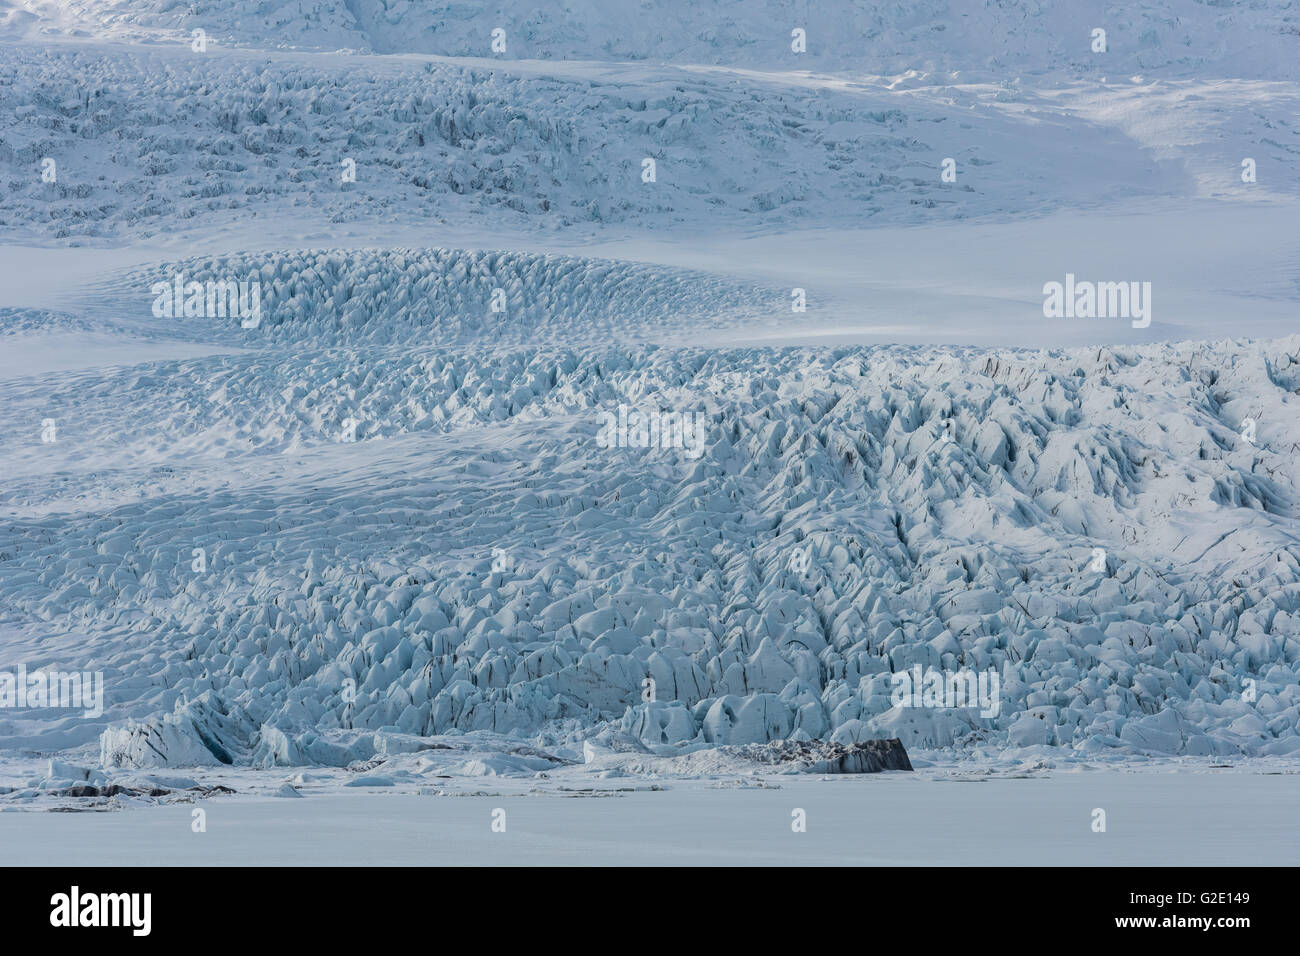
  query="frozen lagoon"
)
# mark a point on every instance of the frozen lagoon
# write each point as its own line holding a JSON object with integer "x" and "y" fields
{"x": 1175, "y": 814}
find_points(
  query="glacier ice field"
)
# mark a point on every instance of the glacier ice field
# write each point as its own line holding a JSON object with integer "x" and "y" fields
{"x": 631, "y": 401}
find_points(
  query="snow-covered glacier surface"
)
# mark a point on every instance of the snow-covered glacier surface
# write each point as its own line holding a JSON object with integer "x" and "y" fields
{"x": 482, "y": 465}
{"x": 477, "y": 562}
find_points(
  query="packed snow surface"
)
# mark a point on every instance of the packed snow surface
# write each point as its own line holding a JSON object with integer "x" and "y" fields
{"x": 1026, "y": 817}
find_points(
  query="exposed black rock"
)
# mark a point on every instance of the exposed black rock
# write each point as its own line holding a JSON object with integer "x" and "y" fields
{"x": 823, "y": 756}
{"x": 113, "y": 789}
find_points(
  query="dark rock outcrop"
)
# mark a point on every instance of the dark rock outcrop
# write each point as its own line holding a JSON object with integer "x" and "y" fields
{"x": 823, "y": 756}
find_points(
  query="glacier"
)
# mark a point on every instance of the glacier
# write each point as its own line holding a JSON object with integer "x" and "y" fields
{"x": 382, "y": 539}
